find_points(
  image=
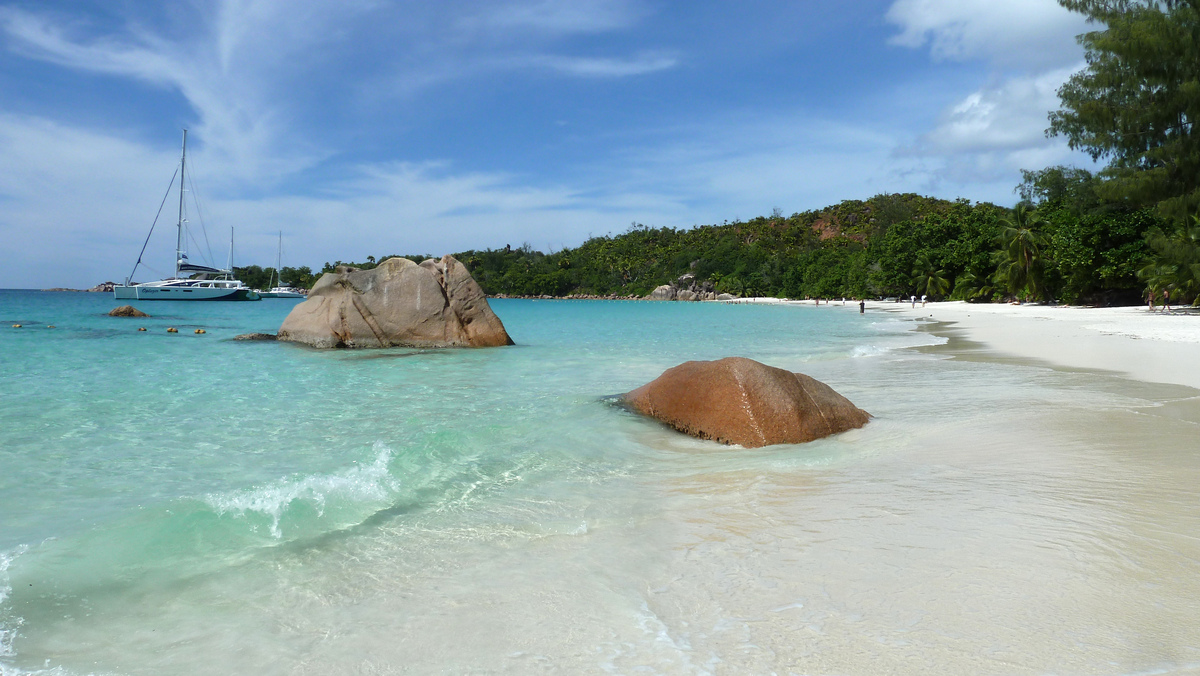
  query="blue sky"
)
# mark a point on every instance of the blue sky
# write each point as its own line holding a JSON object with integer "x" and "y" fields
{"x": 367, "y": 127}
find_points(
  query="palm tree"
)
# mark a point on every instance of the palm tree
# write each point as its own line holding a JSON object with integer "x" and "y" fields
{"x": 970, "y": 287}
{"x": 929, "y": 280}
{"x": 1019, "y": 260}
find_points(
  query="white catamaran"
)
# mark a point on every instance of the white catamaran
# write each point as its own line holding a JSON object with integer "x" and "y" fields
{"x": 191, "y": 281}
{"x": 282, "y": 290}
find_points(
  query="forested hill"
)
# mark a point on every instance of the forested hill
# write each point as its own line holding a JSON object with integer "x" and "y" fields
{"x": 897, "y": 244}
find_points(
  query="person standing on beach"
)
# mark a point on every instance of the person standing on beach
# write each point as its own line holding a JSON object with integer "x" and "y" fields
{"x": 862, "y": 307}
{"x": 1166, "y": 301}
{"x": 922, "y": 300}
{"x": 914, "y": 300}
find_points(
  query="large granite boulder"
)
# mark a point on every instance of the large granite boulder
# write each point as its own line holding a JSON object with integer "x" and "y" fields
{"x": 398, "y": 303}
{"x": 126, "y": 311}
{"x": 664, "y": 292}
{"x": 740, "y": 401}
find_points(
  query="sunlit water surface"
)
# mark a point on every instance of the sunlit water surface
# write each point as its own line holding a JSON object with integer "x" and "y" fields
{"x": 188, "y": 504}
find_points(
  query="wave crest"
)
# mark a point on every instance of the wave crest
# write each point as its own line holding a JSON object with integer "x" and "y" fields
{"x": 361, "y": 483}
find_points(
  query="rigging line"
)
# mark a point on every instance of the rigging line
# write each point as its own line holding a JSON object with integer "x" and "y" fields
{"x": 207, "y": 261}
{"x": 200, "y": 212}
{"x": 160, "y": 208}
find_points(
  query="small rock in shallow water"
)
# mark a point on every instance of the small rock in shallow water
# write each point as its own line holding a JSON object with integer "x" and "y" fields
{"x": 172, "y": 330}
{"x": 141, "y": 328}
{"x": 126, "y": 311}
{"x": 255, "y": 336}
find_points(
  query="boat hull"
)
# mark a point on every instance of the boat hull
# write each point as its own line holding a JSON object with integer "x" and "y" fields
{"x": 140, "y": 292}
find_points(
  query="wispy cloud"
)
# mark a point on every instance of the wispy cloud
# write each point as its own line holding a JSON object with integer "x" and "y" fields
{"x": 221, "y": 71}
{"x": 583, "y": 66}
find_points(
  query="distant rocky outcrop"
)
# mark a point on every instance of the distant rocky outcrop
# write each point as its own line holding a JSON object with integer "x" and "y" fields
{"x": 664, "y": 292}
{"x": 740, "y": 401}
{"x": 103, "y": 287}
{"x": 255, "y": 336}
{"x": 399, "y": 303}
{"x": 126, "y": 311}
{"x": 685, "y": 288}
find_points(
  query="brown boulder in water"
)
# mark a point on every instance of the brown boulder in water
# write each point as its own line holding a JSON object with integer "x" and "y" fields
{"x": 398, "y": 303}
{"x": 740, "y": 401}
{"x": 127, "y": 311}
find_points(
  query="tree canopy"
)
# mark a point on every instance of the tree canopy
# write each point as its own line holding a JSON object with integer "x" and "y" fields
{"x": 1137, "y": 101}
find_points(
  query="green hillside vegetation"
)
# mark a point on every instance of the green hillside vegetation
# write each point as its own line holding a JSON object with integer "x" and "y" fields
{"x": 889, "y": 245}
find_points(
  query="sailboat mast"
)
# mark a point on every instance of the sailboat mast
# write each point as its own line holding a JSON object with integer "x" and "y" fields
{"x": 279, "y": 260}
{"x": 179, "y": 234}
{"x": 229, "y": 266}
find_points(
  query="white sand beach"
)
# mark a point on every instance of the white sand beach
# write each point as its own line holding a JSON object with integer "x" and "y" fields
{"x": 1150, "y": 346}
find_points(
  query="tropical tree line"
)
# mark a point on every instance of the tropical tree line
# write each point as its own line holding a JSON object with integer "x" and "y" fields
{"x": 258, "y": 277}
{"x": 1050, "y": 247}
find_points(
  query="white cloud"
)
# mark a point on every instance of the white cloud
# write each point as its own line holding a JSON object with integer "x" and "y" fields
{"x": 1010, "y": 115}
{"x": 641, "y": 64}
{"x": 989, "y": 134}
{"x": 995, "y": 131}
{"x": 1036, "y": 33}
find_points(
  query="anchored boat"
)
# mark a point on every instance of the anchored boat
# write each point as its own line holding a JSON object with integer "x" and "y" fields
{"x": 192, "y": 281}
{"x": 283, "y": 289}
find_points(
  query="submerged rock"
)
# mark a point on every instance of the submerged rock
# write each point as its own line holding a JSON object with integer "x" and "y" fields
{"x": 127, "y": 311}
{"x": 398, "y": 303}
{"x": 255, "y": 336}
{"x": 740, "y": 401}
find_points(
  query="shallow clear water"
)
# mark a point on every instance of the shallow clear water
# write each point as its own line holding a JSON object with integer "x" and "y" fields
{"x": 182, "y": 503}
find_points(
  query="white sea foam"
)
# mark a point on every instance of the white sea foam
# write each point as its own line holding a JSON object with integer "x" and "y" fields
{"x": 8, "y": 625}
{"x": 868, "y": 351}
{"x": 359, "y": 483}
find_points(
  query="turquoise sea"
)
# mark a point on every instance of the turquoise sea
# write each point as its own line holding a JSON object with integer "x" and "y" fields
{"x": 188, "y": 504}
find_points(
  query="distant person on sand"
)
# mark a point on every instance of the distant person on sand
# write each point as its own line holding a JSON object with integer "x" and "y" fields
{"x": 1151, "y": 295}
{"x": 922, "y": 300}
{"x": 914, "y": 300}
{"x": 1166, "y": 301}
{"x": 862, "y": 307}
